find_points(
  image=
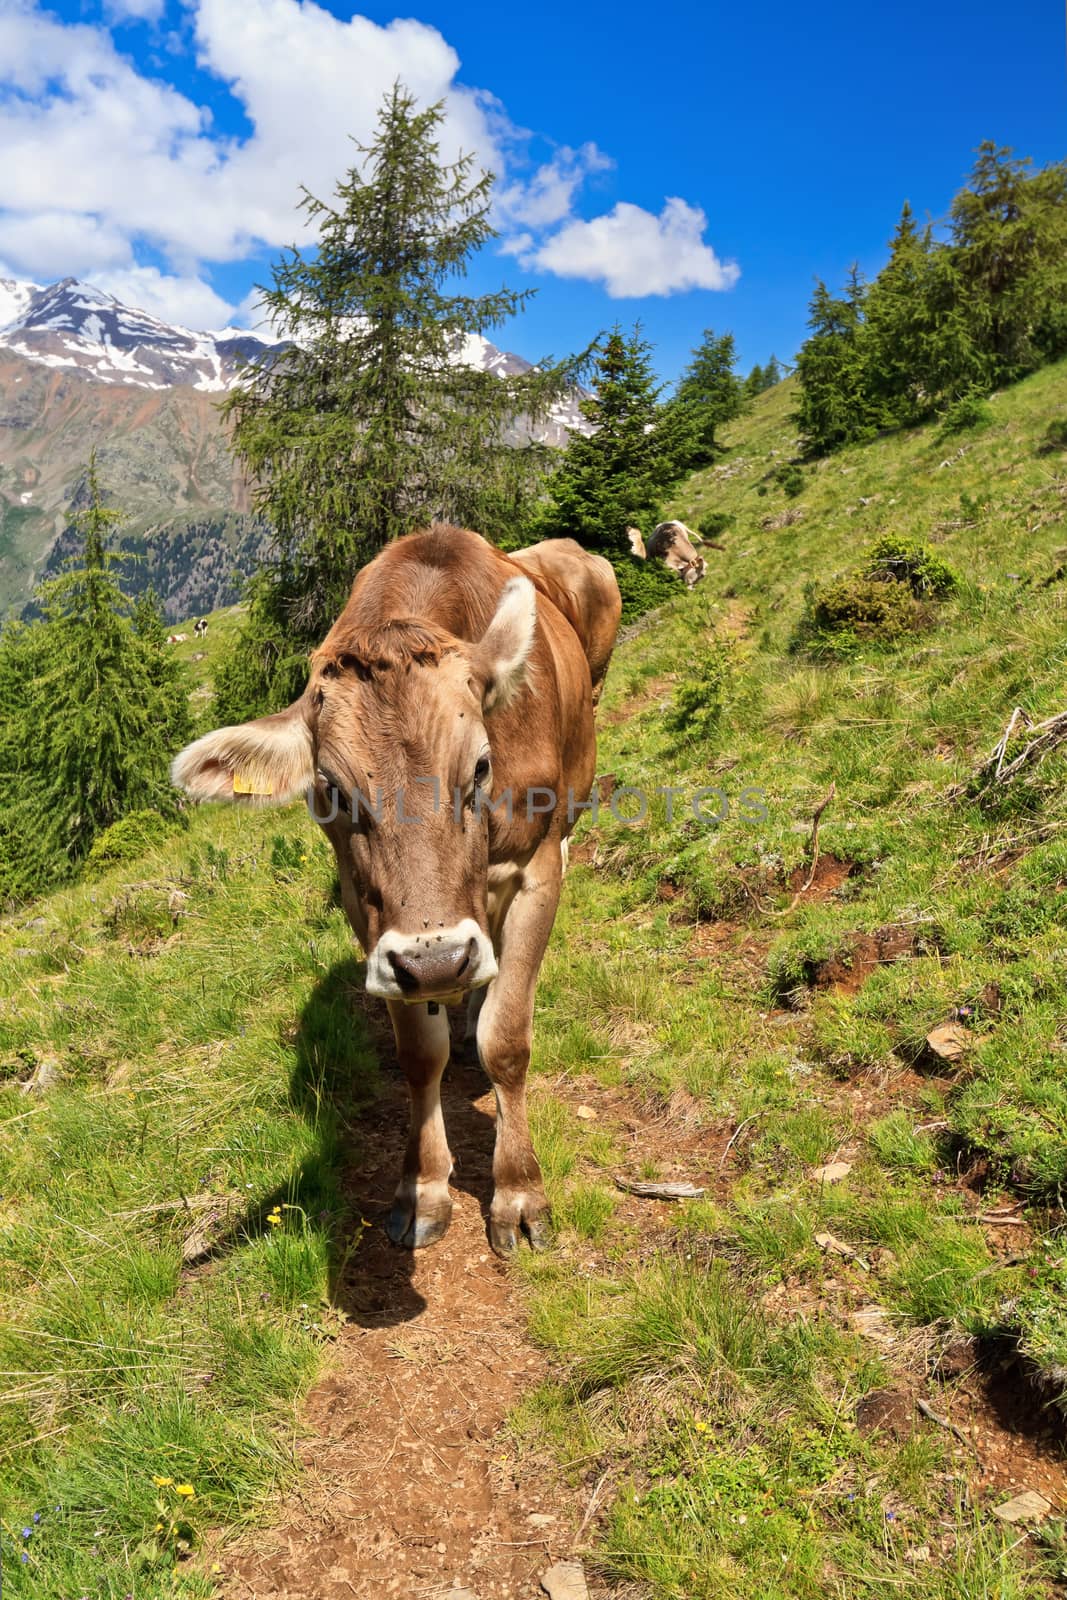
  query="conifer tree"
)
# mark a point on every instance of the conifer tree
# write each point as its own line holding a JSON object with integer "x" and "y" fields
{"x": 1009, "y": 238}
{"x": 368, "y": 425}
{"x": 620, "y": 474}
{"x": 711, "y": 392}
{"x": 92, "y": 707}
{"x": 835, "y": 406}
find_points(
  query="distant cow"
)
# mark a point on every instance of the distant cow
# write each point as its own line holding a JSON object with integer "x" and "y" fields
{"x": 446, "y": 734}
{"x": 672, "y": 543}
{"x": 177, "y": 638}
{"x": 200, "y": 628}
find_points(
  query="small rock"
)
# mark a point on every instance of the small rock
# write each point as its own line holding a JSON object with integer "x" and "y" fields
{"x": 837, "y": 1247}
{"x": 460, "y": 1594}
{"x": 1026, "y": 1507}
{"x": 565, "y": 1581}
{"x": 833, "y": 1173}
{"x": 873, "y": 1323}
{"x": 586, "y": 1113}
{"x": 949, "y": 1041}
{"x": 46, "y": 1075}
{"x": 540, "y": 1519}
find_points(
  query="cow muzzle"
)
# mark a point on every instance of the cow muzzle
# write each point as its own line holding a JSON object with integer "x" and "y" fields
{"x": 443, "y": 964}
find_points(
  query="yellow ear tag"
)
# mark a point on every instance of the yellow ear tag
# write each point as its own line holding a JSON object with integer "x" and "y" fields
{"x": 247, "y": 783}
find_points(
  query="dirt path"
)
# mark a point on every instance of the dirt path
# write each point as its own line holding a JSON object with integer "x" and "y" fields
{"x": 409, "y": 1488}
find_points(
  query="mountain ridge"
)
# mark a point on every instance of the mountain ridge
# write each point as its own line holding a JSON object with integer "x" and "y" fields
{"x": 80, "y": 370}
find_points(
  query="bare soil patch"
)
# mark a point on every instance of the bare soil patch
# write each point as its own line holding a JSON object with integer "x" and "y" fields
{"x": 409, "y": 1487}
{"x": 847, "y": 972}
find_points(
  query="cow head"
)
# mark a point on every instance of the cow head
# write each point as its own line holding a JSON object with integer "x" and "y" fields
{"x": 390, "y": 737}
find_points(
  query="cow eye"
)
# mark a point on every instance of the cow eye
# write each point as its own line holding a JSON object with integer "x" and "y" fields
{"x": 481, "y": 771}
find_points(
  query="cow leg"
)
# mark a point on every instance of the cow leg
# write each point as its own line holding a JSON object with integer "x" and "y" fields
{"x": 422, "y": 1208}
{"x": 505, "y": 1030}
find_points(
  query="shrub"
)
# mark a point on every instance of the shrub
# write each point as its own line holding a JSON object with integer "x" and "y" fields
{"x": 841, "y": 617}
{"x": 714, "y": 523}
{"x": 790, "y": 480}
{"x": 1055, "y": 437}
{"x": 129, "y": 838}
{"x": 699, "y": 701}
{"x": 914, "y": 563}
{"x": 644, "y": 585}
{"x": 969, "y": 411}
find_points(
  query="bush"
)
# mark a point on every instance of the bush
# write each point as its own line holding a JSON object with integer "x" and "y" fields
{"x": 644, "y": 585}
{"x": 129, "y": 838}
{"x": 1055, "y": 437}
{"x": 790, "y": 480}
{"x": 699, "y": 702}
{"x": 914, "y": 563}
{"x": 714, "y": 523}
{"x": 842, "y": 617}
{"x": 969, "y": 411}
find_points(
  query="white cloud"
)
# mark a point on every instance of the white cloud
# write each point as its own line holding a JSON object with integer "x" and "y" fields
{"x": 127, "y": 162}
{"x": 188, "y": 301}
{"x": 47, "y": 242}
{"x": 548, "y": 196}
{"x": 134, "y": 10}
{"x": 633, "y": 253}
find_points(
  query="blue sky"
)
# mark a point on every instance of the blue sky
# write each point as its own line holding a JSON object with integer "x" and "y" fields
{"x": 688, "y": 165}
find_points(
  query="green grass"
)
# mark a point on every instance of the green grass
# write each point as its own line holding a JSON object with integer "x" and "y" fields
{"x": 196, "y": 1005}
{"x": 201, "y": 1049}
{"x": 766, "y": 1496}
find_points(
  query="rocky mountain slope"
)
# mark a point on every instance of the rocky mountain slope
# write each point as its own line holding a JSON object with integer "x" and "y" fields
{"x": 78, "y": 370}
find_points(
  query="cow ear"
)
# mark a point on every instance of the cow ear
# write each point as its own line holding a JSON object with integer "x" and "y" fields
{"x": 637, "y": 544}
{"x": 503, "y": 652}
{"x": 266, "y": 762}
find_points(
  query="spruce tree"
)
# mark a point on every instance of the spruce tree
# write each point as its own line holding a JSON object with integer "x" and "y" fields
{"x": 711, "y": 392}
{"x": 620, "y": 474}
{"x": 93, "y": 707}
{"x": 1009, "y": 238}
{"x": 835, "y": 405}
{"x": 369, "y": 425}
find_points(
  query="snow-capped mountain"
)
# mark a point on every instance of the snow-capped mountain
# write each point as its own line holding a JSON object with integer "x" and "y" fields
{"x": 75, "y": 325}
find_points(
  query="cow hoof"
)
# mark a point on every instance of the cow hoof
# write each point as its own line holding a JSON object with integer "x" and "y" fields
{"x": 506, "y": 1233}
{"x": 412, "y": 1232}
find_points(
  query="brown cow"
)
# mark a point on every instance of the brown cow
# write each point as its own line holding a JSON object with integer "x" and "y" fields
{"x": 672, "y": 543}
{"x": 455, "y": 677}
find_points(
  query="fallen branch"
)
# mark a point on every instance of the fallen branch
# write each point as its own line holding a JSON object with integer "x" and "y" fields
{"x": 943, "y": 1422}
{"x": 997, "y": 770}
{"x": 659, "y": 1191}
{"x": 816, "y": 818}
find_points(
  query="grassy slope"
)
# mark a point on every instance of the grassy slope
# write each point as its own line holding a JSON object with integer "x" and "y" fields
{"x": 707, "y": 992}
{"x": 197, "y": 1006}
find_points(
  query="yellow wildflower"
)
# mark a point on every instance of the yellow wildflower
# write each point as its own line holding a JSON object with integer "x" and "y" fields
{"x": 162, "y": 1483}
{"x": 184, "y": 1489}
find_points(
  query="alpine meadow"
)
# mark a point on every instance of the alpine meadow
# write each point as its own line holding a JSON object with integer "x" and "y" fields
{"x": 797, "y": 1082}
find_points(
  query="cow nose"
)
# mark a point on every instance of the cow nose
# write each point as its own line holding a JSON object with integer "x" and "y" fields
{"x": 433, "y": 969}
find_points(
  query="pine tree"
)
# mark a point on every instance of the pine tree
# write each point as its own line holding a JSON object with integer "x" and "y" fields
{"x": 620, "y": 474}
{"x": 899, "y": 333}
{"x": 711, "y": 392}
{"x": 93, "y": 708}
{"x": 835, "y": 407}
{"x": 368, "y": 425}
{"x": 1009, "y": 237}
